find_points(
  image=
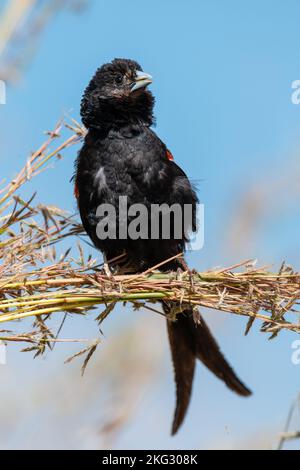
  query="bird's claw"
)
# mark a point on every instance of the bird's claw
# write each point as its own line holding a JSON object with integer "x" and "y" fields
{"x": 107, "y": 270}
{"x": 179, "y": 274}
{"x": 196, "y": 316}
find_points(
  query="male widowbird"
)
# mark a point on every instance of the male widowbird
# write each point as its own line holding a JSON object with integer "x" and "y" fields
{"x": 122, "y": 156}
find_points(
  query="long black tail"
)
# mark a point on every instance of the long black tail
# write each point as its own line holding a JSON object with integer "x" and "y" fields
{"x": 189, "y": 341}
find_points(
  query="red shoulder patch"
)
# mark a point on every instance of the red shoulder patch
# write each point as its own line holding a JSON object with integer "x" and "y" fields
{"x": 169, "y": 156}
{"x": 76, "y": 191}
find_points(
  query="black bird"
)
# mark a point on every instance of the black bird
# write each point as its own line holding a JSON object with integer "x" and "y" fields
{"x": 122, "y": 156}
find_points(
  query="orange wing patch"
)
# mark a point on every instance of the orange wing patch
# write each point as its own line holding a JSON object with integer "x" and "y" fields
{"x": 76, "y": 191}
{"x": 169, "y": 156}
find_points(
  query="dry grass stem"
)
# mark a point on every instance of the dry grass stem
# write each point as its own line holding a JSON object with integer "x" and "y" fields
{"x": 39, "y": 280}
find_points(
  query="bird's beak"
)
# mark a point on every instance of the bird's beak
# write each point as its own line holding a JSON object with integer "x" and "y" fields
{"x": 142, "y": 80}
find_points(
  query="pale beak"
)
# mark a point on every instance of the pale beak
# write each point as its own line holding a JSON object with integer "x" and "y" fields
{"x": 142, "y": 80}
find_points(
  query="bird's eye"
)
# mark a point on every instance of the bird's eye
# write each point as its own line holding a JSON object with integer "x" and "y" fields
{"x": 118, "y": 79}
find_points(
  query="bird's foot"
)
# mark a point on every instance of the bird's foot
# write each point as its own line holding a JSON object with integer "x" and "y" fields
{"x": 191, "y": 272}
{"x": 179, "y": 274}
{"x": 196, "y": 316}
{"x": 107, "y": 270}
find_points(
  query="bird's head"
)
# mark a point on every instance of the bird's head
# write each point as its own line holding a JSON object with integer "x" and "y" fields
{"x": 117, "y": 96}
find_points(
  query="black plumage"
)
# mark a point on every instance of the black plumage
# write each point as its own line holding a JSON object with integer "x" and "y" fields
{"x": 122, "y": 156}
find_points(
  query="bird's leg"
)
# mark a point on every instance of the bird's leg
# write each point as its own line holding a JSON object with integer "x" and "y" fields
{"x": 179, "y": 274}
{"x": 106, "y": 267}
{"x": 191, "y": 272}
{"x": 99, "y": 276}
{"x": 196, "y": 316}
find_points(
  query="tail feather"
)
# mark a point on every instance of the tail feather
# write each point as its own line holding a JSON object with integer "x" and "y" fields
{"x": 189, "y": 341}
{"x": 208, "y": 351}
{"x": 184, "y": 360}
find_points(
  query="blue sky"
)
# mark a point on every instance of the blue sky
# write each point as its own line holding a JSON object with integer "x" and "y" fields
{"x": 222, "y": 81}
